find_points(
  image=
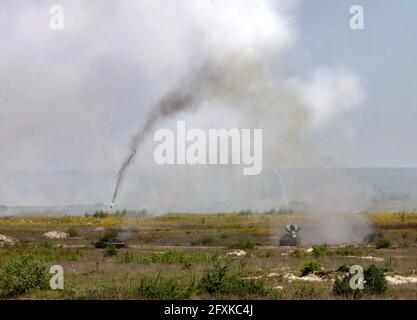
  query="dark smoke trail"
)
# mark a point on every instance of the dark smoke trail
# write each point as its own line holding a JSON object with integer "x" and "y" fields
{"x": 121, "y": 173}
{"x": 169, "y": 105}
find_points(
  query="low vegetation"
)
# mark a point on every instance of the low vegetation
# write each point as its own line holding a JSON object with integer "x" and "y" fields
{"x": 159, "y": 262}
{"x": 308, "y": 267}
{"x": 219, "y": 281}
{"x": 21, "y": 274}
{"x": 374, "y": 284}
{"x": 242, "y": 244}
{"x": 382, "y": 242}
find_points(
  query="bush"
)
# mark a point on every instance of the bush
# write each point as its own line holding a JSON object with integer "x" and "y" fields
{"x": 164, "y": 288}
{"x": 375, "y": 282}
{"x": 235, "y": 284}
{"x": 242, "y": 244}
{"x": 22, "y": 273}
{"x": 341, "y": 287}
{"x": 321, "y": 250}
{"x": 217, "y": 281}
{"x": 382, "y": 242}
{"x": 212, "y": 280}
{"x": 308, "y": 267}
{"x": 110, "y": 251}
{"x": 73, "y": 232}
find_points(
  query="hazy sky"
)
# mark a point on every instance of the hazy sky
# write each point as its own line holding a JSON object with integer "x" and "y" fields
{"x": 72, "y": 98}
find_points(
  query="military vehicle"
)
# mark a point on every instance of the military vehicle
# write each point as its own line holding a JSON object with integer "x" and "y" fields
{"x": 291, "y": 237}
{"x": 107, "y": 242}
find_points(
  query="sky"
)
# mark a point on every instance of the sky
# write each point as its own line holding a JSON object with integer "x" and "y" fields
{"x": 72, "y": 99}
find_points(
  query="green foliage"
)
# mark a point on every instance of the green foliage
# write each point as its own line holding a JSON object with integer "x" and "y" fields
{"x": 321, "y": 250}
{"x": 242, "y": 244}
{"x": 164, "y": 288}
{"x": 341, "y": 287}
{"x": 308, "y": 267}
{"x": 165, "y": 257}
{"x": 22, "y": 273}
{"x": 217, "y": 281}
{"x": 382, "y": 242}
{"x": 110, "y": 251}
{"x": 346, "y": 251}
{"x": 212, "y": 280}
{"x": 73, "y": 231}
{"x": 375, "y": 282}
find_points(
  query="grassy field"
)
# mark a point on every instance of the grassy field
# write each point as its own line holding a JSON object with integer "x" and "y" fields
{"x": 193, "y": 256}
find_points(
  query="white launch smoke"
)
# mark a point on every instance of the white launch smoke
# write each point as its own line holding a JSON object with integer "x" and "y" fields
{"x": 284, "y": 192}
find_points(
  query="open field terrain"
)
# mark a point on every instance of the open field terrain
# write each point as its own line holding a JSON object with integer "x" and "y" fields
{"x": 194, "y": 256}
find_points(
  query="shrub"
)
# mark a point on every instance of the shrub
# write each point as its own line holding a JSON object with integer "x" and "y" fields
{"x": 73, "y": 232}
{"x": 375, "y": 282}
{"x": 164, "y": 288}
{"x": 382, "y": 242}
{"x": 321, "y": 250}
{"x": 159, "y": 288}
{"x": 242, "y": 244}
{"x": 217, "y": 281}
{"x": 110, "y": 251}
{"x": 235, "y": 284}
{"x": 22, "y": 273}
{"x": 212, "y": 279}
{"x": 308, "y": 267}
{"x": 341, "y": 287}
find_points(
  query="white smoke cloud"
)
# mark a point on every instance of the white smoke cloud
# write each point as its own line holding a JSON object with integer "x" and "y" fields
{"x": 72, "y": 99}
{"x": 330, "y": 93}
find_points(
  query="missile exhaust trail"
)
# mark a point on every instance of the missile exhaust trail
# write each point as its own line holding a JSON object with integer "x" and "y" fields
{"x": 121, "y": 174}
